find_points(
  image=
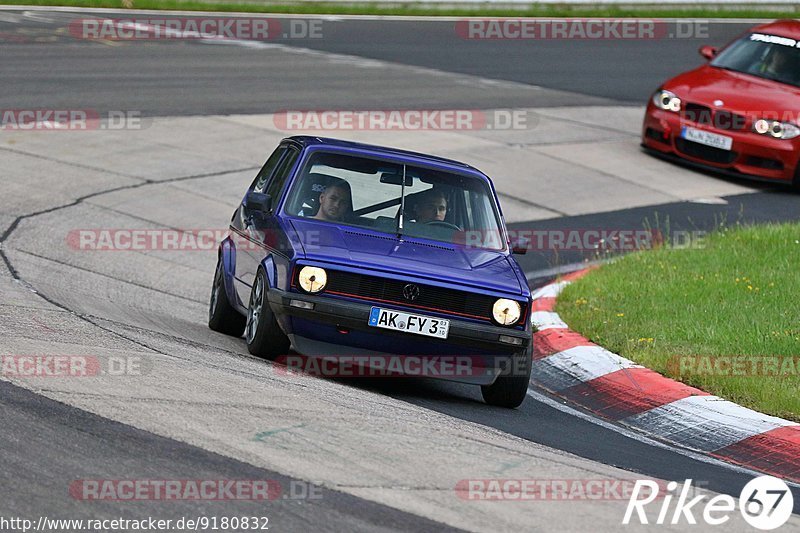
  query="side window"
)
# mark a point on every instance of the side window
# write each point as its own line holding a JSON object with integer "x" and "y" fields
{"x": 282, "y": 174}
{"x": 266, "y": 171}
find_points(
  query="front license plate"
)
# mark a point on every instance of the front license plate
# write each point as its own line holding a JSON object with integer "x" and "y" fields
{"x": 723, "y": 142}
{"x": 417, "y": 324}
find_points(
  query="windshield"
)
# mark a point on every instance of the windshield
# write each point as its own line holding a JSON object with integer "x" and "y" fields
{"x": 766, "y": 56}
{"x": 370, "y": 193}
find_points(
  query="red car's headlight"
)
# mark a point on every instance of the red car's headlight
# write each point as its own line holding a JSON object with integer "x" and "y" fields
{"x": 776, "y": 128}
{"x": 667, "y": 100}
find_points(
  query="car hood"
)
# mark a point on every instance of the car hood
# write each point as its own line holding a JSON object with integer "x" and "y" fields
{"x": 742, "y": 93}
{"x": 354, "y": 247}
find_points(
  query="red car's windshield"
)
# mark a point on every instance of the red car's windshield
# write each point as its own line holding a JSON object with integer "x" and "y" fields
{"x": 763, "y": 55}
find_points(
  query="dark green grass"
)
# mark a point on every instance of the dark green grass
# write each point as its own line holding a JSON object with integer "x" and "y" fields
{"x": 738, "y": 296}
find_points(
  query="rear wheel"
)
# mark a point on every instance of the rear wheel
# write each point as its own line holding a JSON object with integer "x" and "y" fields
{"x": 264, "y": 336}
{"x": 222, "y": 316}
{"x": 510, "y": 389}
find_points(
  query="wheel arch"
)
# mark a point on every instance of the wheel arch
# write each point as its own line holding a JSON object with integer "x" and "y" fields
{"x": 270, "y": 270}
{"x": 227, "y": 256}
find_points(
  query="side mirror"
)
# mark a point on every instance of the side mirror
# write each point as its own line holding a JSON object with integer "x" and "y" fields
{"x": 520, "y": 247}
{"x": 708, "y": 51}
{"x": 258, "y": 202}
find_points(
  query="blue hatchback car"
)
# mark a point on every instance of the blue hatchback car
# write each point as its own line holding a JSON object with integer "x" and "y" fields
{"x": 342, "y": 249}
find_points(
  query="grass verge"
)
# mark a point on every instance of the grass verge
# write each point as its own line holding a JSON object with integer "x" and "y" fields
{"x": 421, "y": 9}
{"x": 724, "y": 318}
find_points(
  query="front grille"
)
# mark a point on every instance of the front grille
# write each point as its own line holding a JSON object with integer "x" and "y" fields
{"x": 720, "y": 119}
{"x": 697, "y": 113}
{"x": 706, "y": 153}
{"x": 389, "y": 290}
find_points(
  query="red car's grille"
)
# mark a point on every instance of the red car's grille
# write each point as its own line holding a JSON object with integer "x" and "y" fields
{"x": 707, "y": 153}
{"x": 720, "y": 119}
{"x": 385, "y": 290}
{"x": 697, "y": 113}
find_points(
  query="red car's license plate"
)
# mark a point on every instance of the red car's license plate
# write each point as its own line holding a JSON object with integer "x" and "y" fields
{"x": 723, "y": 142}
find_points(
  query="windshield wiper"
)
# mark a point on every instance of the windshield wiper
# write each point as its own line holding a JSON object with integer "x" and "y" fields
{"x": 402, "y": 204}
{"x": 761, "y": 75}
{"x": 730, "y": 68}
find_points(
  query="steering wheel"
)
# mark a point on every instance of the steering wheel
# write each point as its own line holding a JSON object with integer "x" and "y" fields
{"x": 443, "y": 224}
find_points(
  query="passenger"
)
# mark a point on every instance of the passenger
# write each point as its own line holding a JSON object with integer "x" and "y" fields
{"x": 431, "y": 206}
{"x": 335, "y": 201}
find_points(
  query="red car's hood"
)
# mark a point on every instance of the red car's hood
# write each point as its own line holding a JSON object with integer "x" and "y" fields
{"x": 742, "y": 93}
{"x": 352, "y": 246}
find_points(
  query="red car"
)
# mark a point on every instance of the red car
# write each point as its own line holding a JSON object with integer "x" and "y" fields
{"x": 739, "y": 113}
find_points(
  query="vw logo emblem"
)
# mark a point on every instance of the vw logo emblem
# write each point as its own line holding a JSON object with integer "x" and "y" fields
{"x": 410, "y": 292}
{"x": 718, "y": 103}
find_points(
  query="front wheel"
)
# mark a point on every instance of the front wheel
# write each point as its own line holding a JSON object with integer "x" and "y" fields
{"x": 264, "y": 336}
{"x": 222, "y": 316}
{"x": 510, "y": 389}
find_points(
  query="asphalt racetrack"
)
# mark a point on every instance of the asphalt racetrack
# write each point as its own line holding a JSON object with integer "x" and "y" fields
{"x": 365, "y": 455}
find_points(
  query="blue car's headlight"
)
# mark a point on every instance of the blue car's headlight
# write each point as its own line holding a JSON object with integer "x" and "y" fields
{"x": 506, "y": 312}
{"x": 312, "y": 279}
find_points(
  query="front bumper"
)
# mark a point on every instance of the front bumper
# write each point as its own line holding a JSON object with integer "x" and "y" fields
{"x": 338, "y": 328}
{"x": 751, "y": 155}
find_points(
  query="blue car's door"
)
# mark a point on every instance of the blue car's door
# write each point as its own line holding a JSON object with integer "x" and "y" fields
{"x": 260, "y": 231}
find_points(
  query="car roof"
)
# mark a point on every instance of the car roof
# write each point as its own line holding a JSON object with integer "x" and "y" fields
{"x": 308, "y": 141}
{"x": 783, "y": 28}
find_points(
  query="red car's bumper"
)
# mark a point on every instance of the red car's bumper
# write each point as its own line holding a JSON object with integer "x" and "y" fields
{"x": 751, "y": 155}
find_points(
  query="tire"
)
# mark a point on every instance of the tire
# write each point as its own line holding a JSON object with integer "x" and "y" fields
{"x": 510, "y": 390}
{"x": 222, "y": 316}
{"x": 262, "y": 333}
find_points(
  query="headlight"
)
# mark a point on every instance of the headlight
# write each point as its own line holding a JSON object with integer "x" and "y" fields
{"x": 506, "y": 312}
{"x": 667, "y": 100}
{"x": 312, "y": 279}
{"x": 776, "y": 128}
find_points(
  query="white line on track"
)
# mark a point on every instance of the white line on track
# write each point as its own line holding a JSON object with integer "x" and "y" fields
{"x": 36, "y": 17}
{"x": 332, "y": 18}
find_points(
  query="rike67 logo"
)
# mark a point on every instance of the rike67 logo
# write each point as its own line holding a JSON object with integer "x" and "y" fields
{"x": 766, "y": 503}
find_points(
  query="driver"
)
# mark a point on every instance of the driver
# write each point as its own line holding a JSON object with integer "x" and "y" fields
{"x": 430, "y": 207}
{"x": 334, "y": 201}
{"x": 781, "y": 65}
